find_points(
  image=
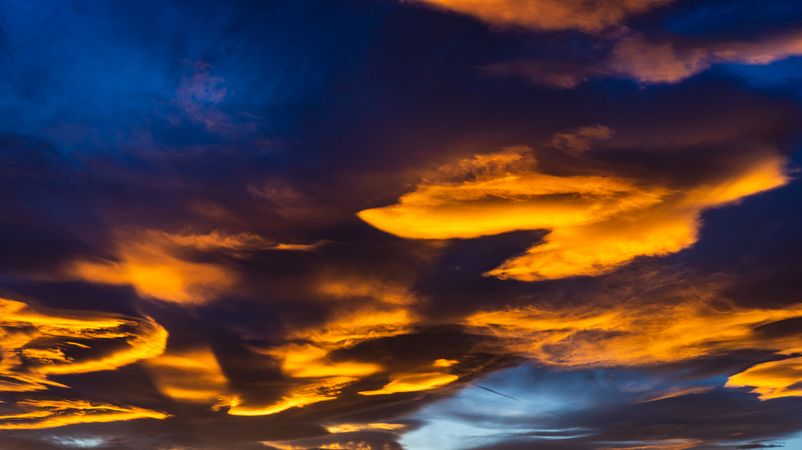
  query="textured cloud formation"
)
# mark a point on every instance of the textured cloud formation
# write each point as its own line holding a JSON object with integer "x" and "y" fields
{"x": 584, "y": 15}
{"x": 198, "y": 167}
{"x": 655, "y": 61}
{"x": 37, "y": 414}
{"x": 635, "y": 335}
{"x": 596, "y": 223}
{"x": 160, "y": 265}
{"x": 772, "y": 379}
{"x": 192, "y": 376}
{"x": 38, "y": 344}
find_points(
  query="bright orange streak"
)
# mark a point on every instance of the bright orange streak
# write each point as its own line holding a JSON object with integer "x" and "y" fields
{"x": 307, "y": 394}
{"x": 352, "y": 427}
{"x": 632, "y": 334}
{"x": 413, "y": 382}
{"x": 772, "y": 379}
{"x": 550, "y": 14}
{"x": 57, "y": 413}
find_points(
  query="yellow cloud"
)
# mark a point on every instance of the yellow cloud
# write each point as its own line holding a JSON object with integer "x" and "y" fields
{"x": 413, "y": 382}
{"x": 157, "y": 264}
{"x": 596, "y": 223}
{"x": 38, "y": 414}
{"x": 192, "y": 376}
{"x": 298, "y": 397}
{"x": 631, "y": 335}
{"x": 772, "y": 379}
{"x": 589, "y": 16}
{"x": 352, "y": 427}
{"x": 36, "y": 344}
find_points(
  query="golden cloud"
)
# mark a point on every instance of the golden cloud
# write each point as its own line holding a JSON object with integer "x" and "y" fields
{"x": 158, "y": 264}
{"x": 596, "y": 223}
{"x": 373, "y": 426}
{"x": 38, "y": 343}
{"x": 772, "y": 379}
{"x": 583, "y": 15}
{"x": 192, "y": 376}
{"x": 38, "y": 414}
{"x": 632, "y": 335}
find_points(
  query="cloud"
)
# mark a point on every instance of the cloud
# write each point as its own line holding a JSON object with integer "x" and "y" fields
{"x": 413, "y": 382}
{"x": 548, "y": 15}
{"x": 193, "y": 376}
{"x": 37, "y": 414}
{"x": 662, "y": 60}
{"x": 666, "y": 61}
{"x": 631, "y": 334}
{"x": 38, "y": 343}
{"x": 160, "y": 265}
{"x": 773, "y": 379}
{"x": 596, "y": 223}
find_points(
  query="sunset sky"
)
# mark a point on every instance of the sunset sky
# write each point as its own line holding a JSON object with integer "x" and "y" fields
{"x": 401, "y": 224}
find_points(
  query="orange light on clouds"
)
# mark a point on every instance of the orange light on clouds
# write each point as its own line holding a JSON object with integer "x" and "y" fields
{"x": 772, "y": 379}
{"x": 38, "y": 414}
{"x": 156, "y": 263}
{"x": 37, "y": 344}
{"x": 630, "y": 334}
{"x": 595, "y": 223}
{"x": 549, "y": 14}
{"x": 192, "y": 376}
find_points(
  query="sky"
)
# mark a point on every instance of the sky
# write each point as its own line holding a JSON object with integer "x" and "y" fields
{"x": 401, "y": 224}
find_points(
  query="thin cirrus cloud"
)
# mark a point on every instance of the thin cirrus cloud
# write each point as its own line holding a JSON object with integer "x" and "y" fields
{"x": 548, "y": 15}
{"x": 596, "y": 223}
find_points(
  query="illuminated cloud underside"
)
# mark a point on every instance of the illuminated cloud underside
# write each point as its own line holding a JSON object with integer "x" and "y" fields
{"x": 583, "y": 15}
{"x": 156, "y": 264}
{"x": 596, "y": 223}
{"x": 772, "y": 379}
{"x": 632, "y": 335}
{"x": 38, "y": 344}
{"x": 38, "y": 414}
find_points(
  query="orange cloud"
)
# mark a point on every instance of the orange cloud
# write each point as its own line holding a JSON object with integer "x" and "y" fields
{"x": 413, "y": 382}
{"x": 36, "y": 344}
{"x": 38, "y": 414}
{"x": 298, "y": 397}
{"x": 668, "y": 62}
{"x": 418, "y": 381}
{"x": 192, "y": 376}
{"x": 596, "y": 223}
{"x": 382, "y": 311}
{"x": 547, "y": 15}
{"x": 158, "y": 265}
{"x": 352, "y": 427}
{"x": 632, "y": 335}
{"x": 772, "y": 379}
